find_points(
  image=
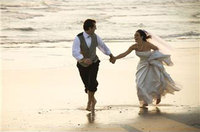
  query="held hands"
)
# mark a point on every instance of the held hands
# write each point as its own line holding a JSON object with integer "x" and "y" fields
{"x": 112, "y": 59}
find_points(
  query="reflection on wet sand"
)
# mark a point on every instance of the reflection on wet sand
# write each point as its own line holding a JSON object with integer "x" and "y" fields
{"x": 91, "y": 118}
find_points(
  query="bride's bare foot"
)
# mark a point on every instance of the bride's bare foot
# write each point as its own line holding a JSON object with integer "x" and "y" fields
{"x": 144, "y": 106}
{"x": 158, "y": 101}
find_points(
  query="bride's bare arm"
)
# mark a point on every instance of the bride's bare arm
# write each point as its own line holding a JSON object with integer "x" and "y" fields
{"x": 130, "y": 49}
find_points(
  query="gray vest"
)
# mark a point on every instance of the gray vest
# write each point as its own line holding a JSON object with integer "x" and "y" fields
{"x": 88, "y": 52}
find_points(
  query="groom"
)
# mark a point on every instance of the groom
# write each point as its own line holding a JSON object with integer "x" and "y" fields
{"x": 84, "y": 51}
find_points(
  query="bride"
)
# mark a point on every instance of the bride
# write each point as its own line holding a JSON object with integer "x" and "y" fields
{"x": 151, "y": 78}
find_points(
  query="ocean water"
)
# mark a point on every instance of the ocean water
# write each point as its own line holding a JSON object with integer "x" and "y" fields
{"x": 55, "y": 23}
{"x": 40, "y": 33}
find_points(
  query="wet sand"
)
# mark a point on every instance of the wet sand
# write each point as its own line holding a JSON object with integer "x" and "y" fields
{"x": 53, "y": 99}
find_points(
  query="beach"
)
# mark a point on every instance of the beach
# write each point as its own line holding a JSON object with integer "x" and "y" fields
{"x": 41, "y": 90}
{"x": 53, "y": 99}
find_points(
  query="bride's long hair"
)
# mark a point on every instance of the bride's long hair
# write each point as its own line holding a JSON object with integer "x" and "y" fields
{"x": 162, "y": 45}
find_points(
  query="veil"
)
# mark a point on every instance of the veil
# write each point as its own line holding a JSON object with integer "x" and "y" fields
{"x": 162, "y": 45}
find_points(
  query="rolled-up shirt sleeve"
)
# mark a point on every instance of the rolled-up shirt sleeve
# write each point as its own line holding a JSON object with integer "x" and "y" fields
{"x": 76, "y": 51}
{"x": 102, "y": 46}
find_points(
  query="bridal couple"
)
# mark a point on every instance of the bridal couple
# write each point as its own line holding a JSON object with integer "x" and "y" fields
{"x": 151, "y": 78}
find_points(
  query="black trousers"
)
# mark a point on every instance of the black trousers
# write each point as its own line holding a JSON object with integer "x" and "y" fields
{"x": 89, "y": 76}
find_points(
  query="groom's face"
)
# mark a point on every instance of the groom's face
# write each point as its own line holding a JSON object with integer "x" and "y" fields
{"x": 92, "y": 30}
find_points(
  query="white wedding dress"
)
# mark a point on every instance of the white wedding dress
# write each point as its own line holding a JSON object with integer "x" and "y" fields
{"x": 151, "y": 78}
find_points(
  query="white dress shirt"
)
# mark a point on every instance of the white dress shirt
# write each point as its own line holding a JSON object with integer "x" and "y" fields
{"x": 76, "y": 50}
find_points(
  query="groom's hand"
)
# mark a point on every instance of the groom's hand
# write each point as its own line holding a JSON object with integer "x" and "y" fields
{"x": 86, "y": 61}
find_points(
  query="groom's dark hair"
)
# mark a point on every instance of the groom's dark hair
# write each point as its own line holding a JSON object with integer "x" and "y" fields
{"x": 88, "y": 23}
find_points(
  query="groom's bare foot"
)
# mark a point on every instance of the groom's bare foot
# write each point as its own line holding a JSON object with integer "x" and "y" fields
{"x": 93, "y": 105}
{"x": 88, "y": 107}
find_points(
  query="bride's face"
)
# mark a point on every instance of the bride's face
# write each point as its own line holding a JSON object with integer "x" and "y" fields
{"x": 137, "y": 37}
